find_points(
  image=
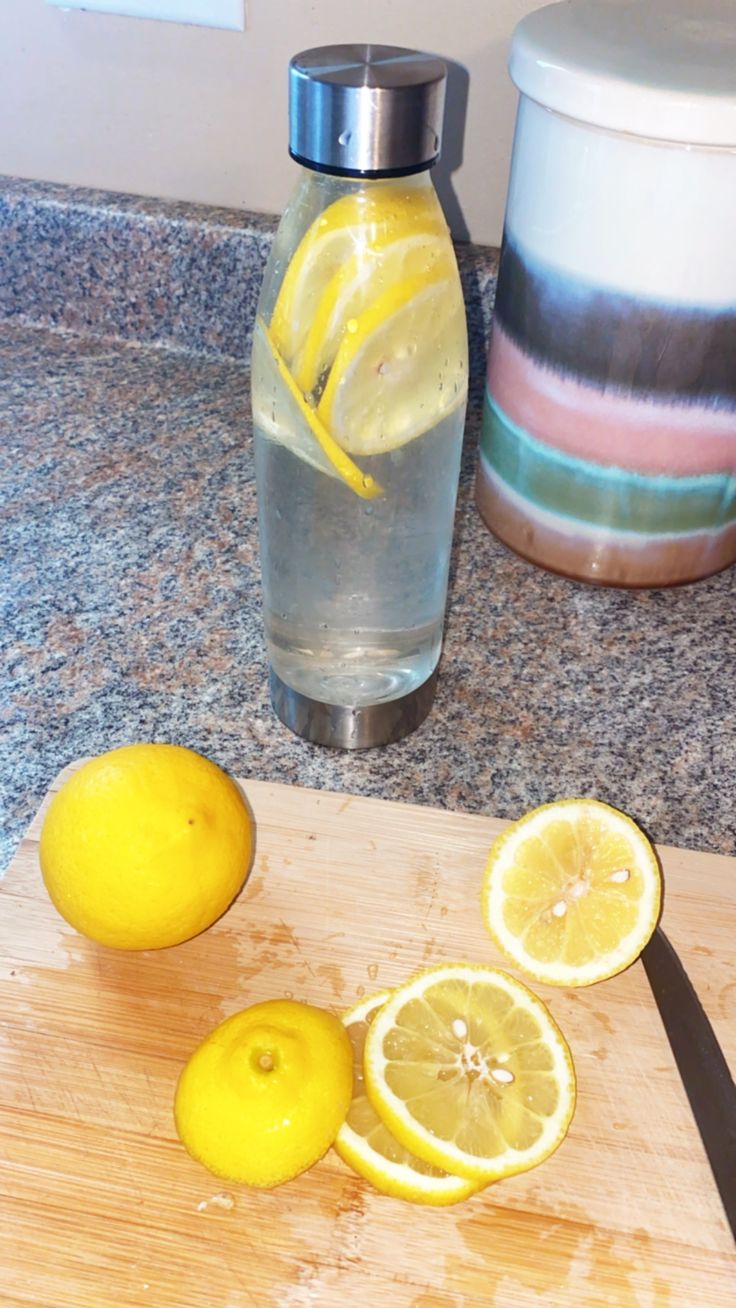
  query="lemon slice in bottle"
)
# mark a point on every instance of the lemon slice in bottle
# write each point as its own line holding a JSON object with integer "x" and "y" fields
{"x": 281, "y": 412}
{"x": 572, "y": 892}
{"x": 370, "y": 309}
{"x": 276, "y": 413}
{"x": 353, "y": 224}
{"x": 469, "y": 1071}
{"x": 366, "y": 1145}
{"x": 355, "y": 285}
{"x": 400, "y": 367}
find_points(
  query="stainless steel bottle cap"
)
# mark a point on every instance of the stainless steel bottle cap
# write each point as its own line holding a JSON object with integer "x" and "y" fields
{"x": 365, "y": 110}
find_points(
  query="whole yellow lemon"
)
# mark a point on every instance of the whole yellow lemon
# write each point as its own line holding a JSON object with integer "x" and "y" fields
{"x": 265, "y": 1094}
{"x": 145, "y": 846}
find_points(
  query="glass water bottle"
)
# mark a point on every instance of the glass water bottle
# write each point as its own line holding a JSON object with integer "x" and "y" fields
{"x": 359, "y": 386}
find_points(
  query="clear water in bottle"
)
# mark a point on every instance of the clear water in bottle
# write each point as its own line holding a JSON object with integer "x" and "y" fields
{"x": 359, "y": 384}
{"x": 354, "y": 615}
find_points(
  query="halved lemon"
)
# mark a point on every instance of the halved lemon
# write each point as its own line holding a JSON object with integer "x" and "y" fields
{"x": 469, "y": 1071}
{"x": 355, "y": 285}
{"x": 264, "y": 1094}
{"x": 366, "y": 1145}
{"x": 572, "y": 892}
{"x": 401, "y": 366}
{"x": 369, "y": 219}
{"x": 282, "y": 413}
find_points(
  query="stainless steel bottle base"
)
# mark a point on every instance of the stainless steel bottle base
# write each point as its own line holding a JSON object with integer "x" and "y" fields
{"x": 352, "y": 728}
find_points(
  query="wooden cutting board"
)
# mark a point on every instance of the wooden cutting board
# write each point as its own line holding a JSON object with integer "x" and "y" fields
{"x": 102, "y": 1208}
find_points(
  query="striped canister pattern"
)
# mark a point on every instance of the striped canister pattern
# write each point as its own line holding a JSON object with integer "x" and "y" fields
{"x": 608, "y": 447}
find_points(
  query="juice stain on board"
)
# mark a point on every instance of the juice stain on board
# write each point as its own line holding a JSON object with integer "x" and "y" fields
{"x": 564, "y": 1262}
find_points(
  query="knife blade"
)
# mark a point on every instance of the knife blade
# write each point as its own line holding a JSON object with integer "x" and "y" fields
{"x": 703, "y": 1069}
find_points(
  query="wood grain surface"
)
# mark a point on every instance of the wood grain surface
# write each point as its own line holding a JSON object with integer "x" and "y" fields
{"x": 102, "y": 1208}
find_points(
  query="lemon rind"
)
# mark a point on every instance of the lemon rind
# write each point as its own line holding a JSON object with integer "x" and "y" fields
{"x": 362, "y": 483}
{"x": 211, "y": 1107}
{"x": 397, "y": 1180}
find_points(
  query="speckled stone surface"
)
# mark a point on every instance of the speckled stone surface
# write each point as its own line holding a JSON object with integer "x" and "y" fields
{"x": 129, "y": 590}
{"x": 161, "y": 272}
{"x": 154, "y": 272}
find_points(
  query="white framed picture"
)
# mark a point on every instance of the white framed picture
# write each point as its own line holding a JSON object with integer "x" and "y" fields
{"x": 206, "y": 13}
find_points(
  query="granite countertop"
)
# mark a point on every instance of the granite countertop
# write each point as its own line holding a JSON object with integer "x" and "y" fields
{"x": 130, "y": 600}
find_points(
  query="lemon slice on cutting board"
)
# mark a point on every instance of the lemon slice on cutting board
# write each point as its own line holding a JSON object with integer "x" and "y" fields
{"x": 400, "y": 368}
{"x": 469, "y": 1071}
{"x": 366, "y": 1145}
{"x": 572, "y": 892}
{"x": 352, "y": 225}
{"x": 281, "y": 412}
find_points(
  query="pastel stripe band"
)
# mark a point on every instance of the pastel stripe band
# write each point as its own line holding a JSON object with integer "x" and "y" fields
{"x": 607, "y": 426}
{"x": 595, "y": 554}
{"x": 615, "y": 497}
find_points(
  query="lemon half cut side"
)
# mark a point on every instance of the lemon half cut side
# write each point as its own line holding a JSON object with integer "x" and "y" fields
{"x": 572, "y": 892}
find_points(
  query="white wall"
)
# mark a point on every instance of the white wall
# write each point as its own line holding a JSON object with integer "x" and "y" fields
{"x": 192, "y": 113}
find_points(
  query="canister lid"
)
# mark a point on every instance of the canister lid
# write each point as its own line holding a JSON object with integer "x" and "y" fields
{"x": 659, "y": 68}
{"x": 366, "y": 110}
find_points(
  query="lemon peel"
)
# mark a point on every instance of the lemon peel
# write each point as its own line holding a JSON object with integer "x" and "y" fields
{"x": 362, "y": 483}
{"x": 145, "y": 846}
{"x": 366, "y": 1144}
{"x": 262, "y": 1097}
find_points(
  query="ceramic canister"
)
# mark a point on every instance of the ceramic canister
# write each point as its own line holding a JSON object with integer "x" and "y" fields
{"x": 608, "y": 450}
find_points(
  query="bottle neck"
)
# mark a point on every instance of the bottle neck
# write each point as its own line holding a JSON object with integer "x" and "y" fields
{"x": 331, "y": 186}
{"x": 388, "y": 174}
